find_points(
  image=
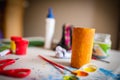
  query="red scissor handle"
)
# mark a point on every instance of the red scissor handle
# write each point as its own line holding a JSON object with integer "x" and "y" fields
{"x": 18, "y": 73}
{"x": 6, "y": 62}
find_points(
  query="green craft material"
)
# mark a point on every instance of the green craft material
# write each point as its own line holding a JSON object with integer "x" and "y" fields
{"x": 36, "y": 43}
{"x": 2, "y": 48}
{"x": 70, "y": 77}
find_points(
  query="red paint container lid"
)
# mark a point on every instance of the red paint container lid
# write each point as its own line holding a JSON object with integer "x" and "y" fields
{"x": 23, "y": 41}
{"x": 15, "y": 38}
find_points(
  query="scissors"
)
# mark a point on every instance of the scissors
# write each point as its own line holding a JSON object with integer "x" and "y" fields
{"x": 18, "y": 73}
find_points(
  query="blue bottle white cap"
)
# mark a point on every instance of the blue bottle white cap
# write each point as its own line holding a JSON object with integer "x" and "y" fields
{"x": 50, "y": 13}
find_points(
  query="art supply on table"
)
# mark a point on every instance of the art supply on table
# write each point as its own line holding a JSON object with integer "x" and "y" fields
{"x": 102, "y": 45}
{"x": 50, "y": 26}
{"x": 5, "y": 52}
{"x": 70, "y": 77}
{"x": 66, "y": 40}
{"x": 95, "y": 58}
{"x": 21, "y": 47}
{"x": 17, "y": 73}
{"x": 75, "y": 72}
{"x": 35, "y": 43}
{"x": 4, "y": 47}
{"x": 90, "y": 67}
{"x": 61, "y": 71}
{"x": 13, "y": 45}
{"x": 82, "y": 45}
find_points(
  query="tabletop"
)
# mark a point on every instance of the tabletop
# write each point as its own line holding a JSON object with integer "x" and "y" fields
{"x": 41, "y": 70}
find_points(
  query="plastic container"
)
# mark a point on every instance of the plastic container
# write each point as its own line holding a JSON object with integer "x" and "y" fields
{"x": 21, "y": 47}
{"x": 102, "y": 45}
{"x": 50, "y": 26}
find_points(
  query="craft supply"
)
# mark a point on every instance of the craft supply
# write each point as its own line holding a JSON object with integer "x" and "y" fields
{"x": 18, "y": 73}
{"x": 102, "y": 45}
{"x": 5, "y": 52}
{"x": 61, "y": 71}
{"x": 66, "y": 39}
{"x": 50, "y": 26}
{"x": 82, "y": 44}
{"x": 75, "y": 72}
{"x": 13, "y": 45}
{"x": 89, "y": 68}
{"x": 4, "y": 47}
{"x": 95, "y": 58}
{"x": 21, "y": 47}
{"x": 80, "y": 73}
{"x": 36, "y": 43}
{"x": 70, "y": 77}
{"x": 68, "y": 36}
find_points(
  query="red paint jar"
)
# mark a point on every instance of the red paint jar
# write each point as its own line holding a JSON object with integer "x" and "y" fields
{"x": 21, "y": 47}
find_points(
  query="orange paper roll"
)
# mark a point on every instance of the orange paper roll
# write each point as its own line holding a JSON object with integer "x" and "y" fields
{"x": 82, "y": 45}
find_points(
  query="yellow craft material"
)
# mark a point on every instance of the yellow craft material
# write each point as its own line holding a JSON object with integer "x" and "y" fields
{"x": 82, "y": 45}
{"x": 90, "y": 68}
{"x": 13, "y": 46}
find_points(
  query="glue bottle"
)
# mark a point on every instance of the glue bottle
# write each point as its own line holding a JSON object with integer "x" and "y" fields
{"x": 50, "y": 26}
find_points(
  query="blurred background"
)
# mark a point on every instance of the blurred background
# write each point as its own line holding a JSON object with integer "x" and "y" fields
{"x": 27, "y": 17}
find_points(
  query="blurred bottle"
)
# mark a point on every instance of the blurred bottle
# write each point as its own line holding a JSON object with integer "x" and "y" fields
{"x": 50, "y": 26}
{"x": 102, "y": 45}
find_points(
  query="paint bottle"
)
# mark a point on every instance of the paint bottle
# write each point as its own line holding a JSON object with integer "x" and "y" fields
{"x": 12, "y": 44}
{"x": 21, "y": 47}
{"x": 50, "y": 26}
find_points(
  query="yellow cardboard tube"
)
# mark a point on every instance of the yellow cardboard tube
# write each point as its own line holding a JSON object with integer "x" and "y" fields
{"x": 82, "y": 45}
